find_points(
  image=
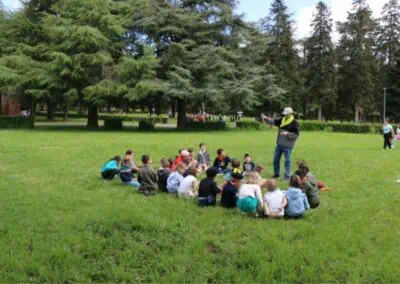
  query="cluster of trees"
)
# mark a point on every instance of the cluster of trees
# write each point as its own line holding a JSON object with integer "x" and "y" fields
{"x": 194, "y": 55}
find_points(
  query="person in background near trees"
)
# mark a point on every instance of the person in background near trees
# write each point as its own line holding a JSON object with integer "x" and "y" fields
{"x": 397, "y": 137}
{"x": 297, "y": 200}
{"x": 175, "y": 179}
{"x": 208, "y": 189}
{"x": 229, "y": 195}
{"x": 188, "y": 186}
{"x": 250, "y": 198}
{"x": 163, "y": 174}
{"x": 127, "y": 170}
{"x": 388, "y": 134}
{"x": 288, "y": 133}
{"x": 248, "y": 165}
{"x": 203, "y": 157}
{"x": 147, "y": 177}
{"x": 309, "y": 184}
{"x": 221, "y": 162}
{"x": 111, "y": 168}
{"x": 275, "y": 201}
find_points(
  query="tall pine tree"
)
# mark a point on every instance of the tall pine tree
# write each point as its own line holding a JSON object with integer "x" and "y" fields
{"x": 358, "y": 68}
{"x": 281, "y": 54}
{"x": 320, "y": 61}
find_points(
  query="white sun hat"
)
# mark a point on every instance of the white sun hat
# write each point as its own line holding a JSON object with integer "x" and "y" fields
{"x": 287, "y": 111}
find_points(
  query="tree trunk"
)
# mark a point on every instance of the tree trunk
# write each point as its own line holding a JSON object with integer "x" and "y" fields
{"x": 181, "y": 113}
{"x": 50, "y": 115}
{"x": 108, "y": 108}
{"x": 320, "y": 112}
{"x": 33, "y": 109}
{"x": 1, "y": 104}
{"x": 80, "y": 112}
{"x": 356, "y": 114}
{"x": 173, "y": 109}
{"x": 65, "y": 112}
{"x": 93, "y": 117}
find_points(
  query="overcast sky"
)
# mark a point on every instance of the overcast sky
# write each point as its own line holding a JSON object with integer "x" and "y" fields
{"x": 302, "y": 10}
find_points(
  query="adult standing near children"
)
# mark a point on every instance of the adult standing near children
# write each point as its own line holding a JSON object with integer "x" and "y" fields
{"x": 388, "y": 134}
{"x": 288, "y": 133}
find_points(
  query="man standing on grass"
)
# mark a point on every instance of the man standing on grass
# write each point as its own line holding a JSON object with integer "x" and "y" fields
{"x": 288, "y": 133}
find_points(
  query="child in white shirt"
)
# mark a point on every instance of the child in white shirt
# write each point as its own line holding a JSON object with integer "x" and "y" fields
{"x": 250, "y": 197}
{"x": 275, "y": 201}
{"x": 188, "y": 186}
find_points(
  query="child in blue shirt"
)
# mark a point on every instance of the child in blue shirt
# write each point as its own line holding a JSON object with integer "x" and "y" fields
{"x": 111, "y": 168}
{"x": 297, "y": 202}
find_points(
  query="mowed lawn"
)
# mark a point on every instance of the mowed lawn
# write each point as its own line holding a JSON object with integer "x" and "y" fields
{"x": 59, "y": 222}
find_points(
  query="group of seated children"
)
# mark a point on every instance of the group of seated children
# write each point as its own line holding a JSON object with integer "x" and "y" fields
{"x": 242, "y": 189}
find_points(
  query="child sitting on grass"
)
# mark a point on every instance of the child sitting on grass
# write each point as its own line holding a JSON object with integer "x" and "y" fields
{"x": 229, "y": 195}
{"x": 209, "y": 189}
{"x": 111, "y": 168}
{"x": 203, "y": 157}
{"x": 147, "y": 177}
{"x": 248, "y": 165}
{"x": 129, "y": 155}
{"x": 175, "y": 179}
{"x": 297, "y": 202}
{"x": 221, "y": 162}
{"x": 126, "y": 173}
{"x": 275, "y": 200}
{"x": 308, "y": 184}
{"x": 258, "y": 171}
{"x": 250, "y": 198}
{"x": 235, "y": 169}
{"x": 188, "y": 186}
{"x": 163, "y": 174}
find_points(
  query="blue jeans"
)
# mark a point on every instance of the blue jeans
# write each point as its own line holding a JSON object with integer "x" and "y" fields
{"x": 277, "y": 160}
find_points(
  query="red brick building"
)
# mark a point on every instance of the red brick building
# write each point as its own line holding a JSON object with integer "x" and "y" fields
{"x": 9, "y": 106}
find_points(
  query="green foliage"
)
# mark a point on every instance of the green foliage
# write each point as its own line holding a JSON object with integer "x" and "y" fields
{"x": 146, "y": 125}
{"x": 113, "y": 124}
{"x": 250, "y": 125}
{"x": 9, "y": 122}
{"x": 205, "y": 126}
{"x": 344, "y": 127}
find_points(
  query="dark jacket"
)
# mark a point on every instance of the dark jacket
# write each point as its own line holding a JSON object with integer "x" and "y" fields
{"x": 147, "y": 179}
{"x": 229, "y": 196}
{"x": 208, "y": 187}
{"x": 222, "y": 164}
{"x": 311, "y": 189}
{"x": 163, "y": 175}
{"x": 293, "y": 129}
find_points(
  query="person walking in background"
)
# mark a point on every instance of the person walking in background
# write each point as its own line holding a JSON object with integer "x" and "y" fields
{"x": 397, "y": 137}
{"x": 288, "y": 133}
{"x": 388, "y": 134}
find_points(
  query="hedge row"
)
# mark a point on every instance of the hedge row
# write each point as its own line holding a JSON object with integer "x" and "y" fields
{"x": 112, "y": 117}
{"x": 202, "y": 126}
{"x": 339, "y": 127}
{"x": 16, "y": 122}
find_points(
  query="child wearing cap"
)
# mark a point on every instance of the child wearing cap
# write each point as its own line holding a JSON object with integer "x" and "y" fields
{"x": 230, "y": 191}
{"x": 208, "y": 189}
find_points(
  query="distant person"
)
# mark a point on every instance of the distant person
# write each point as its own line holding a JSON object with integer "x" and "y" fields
{"x": 163, "y": 174}
{"x": 388, "y": 134}
{"x": 111, "y": 168}
{"x": 309, "y": 184}
{"x": 229, "y": 195}
{"x": 397, "y": 137}
{"x": 248, "y": 165}
{"x": 24, "y": 113}
{"x": 275, "y": 200}
{"x": 297, "y": 200}
{"x": 126, "y": 172}
{"x": 203, "y": 157}
{"x": 221, "y": 162}
{"x": 188, "y": 186}
{"x": 175, "y": 179}
{"x": 288, "y": 133}
{"x": 147, "y": 177}
{"x": 250, "y": 198}
{"x": 208, "y": 189}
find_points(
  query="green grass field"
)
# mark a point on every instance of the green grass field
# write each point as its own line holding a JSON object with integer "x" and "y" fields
{"x": 61, "y": 223}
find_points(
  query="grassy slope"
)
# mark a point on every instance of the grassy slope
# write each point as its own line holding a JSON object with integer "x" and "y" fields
{"x": 60, "y": 222}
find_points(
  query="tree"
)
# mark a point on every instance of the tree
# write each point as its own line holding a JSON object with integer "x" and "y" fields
{"x": 320, "y": 60}
{"x": 358, "y": 68}
{"x": 281, "y": 53}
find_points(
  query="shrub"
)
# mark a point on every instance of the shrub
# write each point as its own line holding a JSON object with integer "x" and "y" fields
{"x": 113, "y": 124}
{"x": 211, "y": 125}
{"x": 251, "y": 125}
{"x": 15, "y": 122}
{"x": 350, "y": 127}
{"x": 310, "y": 125}
{"x": 146, "y": 125}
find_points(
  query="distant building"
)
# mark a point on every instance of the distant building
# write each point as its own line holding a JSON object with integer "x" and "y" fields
{"x": 9, "y": 106}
